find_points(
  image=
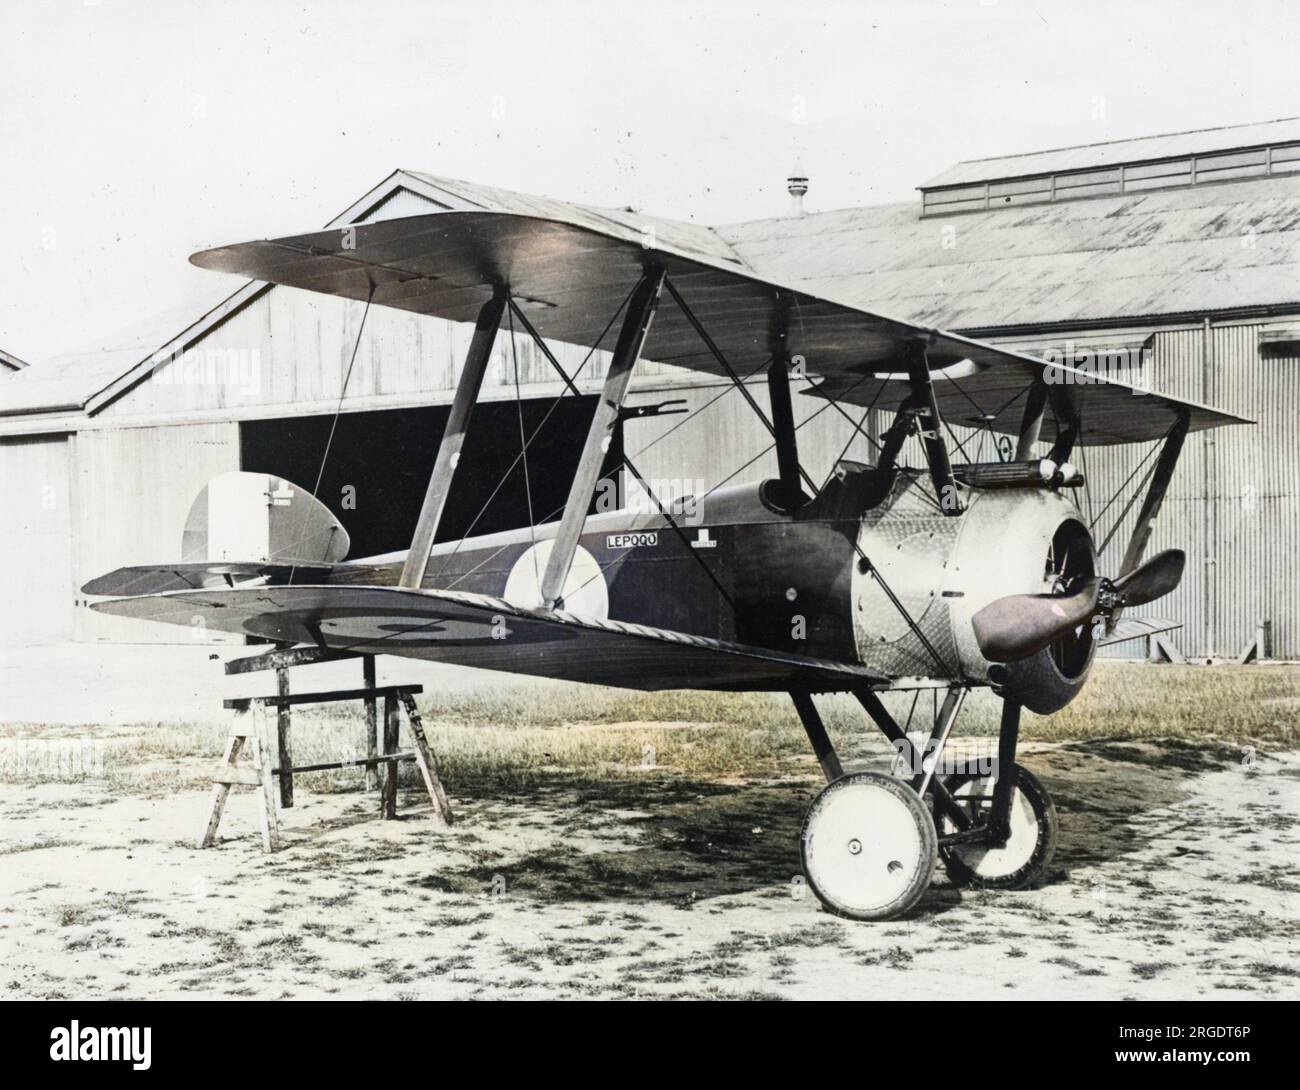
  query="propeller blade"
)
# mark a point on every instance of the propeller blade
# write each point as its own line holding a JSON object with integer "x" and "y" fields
{"x": 1019, "y": 625}
{"x": 1152, "y": 580}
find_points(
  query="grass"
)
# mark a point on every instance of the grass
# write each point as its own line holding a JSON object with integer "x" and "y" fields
{"x": 553, "y": 732}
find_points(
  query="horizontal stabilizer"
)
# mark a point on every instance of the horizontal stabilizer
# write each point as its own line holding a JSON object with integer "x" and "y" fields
{"x": 207, "y": 574}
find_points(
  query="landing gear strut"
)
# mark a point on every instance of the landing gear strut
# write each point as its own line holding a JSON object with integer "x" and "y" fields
{"x": 870, "y": 841}
{"x": 1015, "y": 861}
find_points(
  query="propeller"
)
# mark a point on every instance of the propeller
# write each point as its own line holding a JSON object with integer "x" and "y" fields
{"x": 1020, "y": 625}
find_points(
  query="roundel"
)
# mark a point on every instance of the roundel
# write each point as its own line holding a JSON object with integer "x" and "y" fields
{"x": 585, "y": 592}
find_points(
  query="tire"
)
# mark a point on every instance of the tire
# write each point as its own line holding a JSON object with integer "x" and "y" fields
{"x": 1024, "y": 860}
{"x": 869, "y": 847}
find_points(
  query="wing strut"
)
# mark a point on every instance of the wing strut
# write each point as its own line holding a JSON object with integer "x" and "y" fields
{"x": 928, "y": 420}
{"x": 627, "y": 459}
{"x": 444, "y": 465}
{"x": 914, "y": 402}
{"x": 1155, "y": 497}
{"x": 783, "y": 437}
{"x": 787, "y": 451}
{"x": 1031, "y": 424}
{"x": 631, "y": 339}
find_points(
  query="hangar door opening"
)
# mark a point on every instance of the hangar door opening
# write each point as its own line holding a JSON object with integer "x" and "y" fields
{"x": 36, "y": 586}
{"x": 379, "y": 465}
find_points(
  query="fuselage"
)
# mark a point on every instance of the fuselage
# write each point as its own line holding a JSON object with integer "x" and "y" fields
{"x": 870, "y": 572}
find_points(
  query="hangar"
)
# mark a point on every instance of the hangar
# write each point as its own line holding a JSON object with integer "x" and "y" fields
{"x": 1174, "y": 258}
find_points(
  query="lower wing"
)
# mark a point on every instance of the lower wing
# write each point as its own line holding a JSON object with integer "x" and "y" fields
{"x": 1134, "y": 628}
{"x": 480, "y": 631}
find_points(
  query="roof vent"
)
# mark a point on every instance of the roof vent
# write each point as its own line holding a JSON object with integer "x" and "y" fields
{"x": 796, "y": 185}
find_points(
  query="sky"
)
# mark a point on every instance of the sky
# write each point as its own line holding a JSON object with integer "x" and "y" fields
{"x": 134, "y": 133}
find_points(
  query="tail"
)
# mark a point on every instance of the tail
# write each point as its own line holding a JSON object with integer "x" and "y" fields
{"x": 242, "y": 527}
{"x": 253, "y": 516}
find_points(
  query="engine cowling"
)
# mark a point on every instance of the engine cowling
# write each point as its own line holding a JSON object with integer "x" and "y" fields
{"x": 943, "y": 570}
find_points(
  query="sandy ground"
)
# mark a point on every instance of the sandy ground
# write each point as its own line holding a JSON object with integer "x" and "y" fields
{"x": 1175, "y": 878}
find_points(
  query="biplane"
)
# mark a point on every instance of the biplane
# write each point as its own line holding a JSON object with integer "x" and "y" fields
{"x": 945, "y": 575}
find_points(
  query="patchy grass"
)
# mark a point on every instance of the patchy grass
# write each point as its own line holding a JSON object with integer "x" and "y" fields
{"x": 518, "y": 739}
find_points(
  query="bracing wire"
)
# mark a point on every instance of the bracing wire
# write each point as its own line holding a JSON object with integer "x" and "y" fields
{"x": 338, "y": 409}
{"x": 536, "y": 431}
{"x": 523, "y": 445}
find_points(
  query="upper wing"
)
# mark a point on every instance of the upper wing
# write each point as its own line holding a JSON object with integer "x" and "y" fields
{"x": 477, "y": 630}
{"x": 572, "y": 276}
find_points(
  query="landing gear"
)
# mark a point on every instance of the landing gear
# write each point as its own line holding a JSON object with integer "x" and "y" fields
{"x": 1023, "y": 858}
{"x": 869, "y": 846}
{"x": 870, "y": 841}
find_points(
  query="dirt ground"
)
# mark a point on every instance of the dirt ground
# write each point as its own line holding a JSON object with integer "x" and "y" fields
{"x": 1175, "y": 878}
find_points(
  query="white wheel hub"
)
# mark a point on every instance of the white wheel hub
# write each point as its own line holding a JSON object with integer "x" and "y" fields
{"x": 865, "y": 847}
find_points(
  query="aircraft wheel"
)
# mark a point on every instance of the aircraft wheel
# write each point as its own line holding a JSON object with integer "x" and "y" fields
{"x": 869, "y": 846}
{"x": 1025, "y": 857}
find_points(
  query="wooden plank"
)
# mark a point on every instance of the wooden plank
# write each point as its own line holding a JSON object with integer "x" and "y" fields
{"x": 266, "y": 796}
{"x": 238, "y": 777}
{"x": 284, "y": 658}
{"x": 326, "y": 766}
{"x": 243, "y": 703}
{"x": 283, "y": 745}
{"x": 427, "y": 763}
{"x": 220, "y": 792}
{"x": 389, "y": 809}
{"x": 372, "y": 721}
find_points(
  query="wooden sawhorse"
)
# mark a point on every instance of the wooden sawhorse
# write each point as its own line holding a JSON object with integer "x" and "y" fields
{"x": 263, "y": 772}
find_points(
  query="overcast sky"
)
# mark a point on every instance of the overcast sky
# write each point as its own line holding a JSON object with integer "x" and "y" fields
{"x": 136, "y": 133}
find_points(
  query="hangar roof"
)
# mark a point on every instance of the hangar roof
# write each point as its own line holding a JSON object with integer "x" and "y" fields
{"x": 1114, "y": 152}
{"x": 1104, "y": 260}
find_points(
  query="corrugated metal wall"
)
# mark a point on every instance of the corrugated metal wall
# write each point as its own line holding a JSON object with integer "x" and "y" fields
{"x": 1235, "y": 502}
{"x": 1277, "y": 501}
